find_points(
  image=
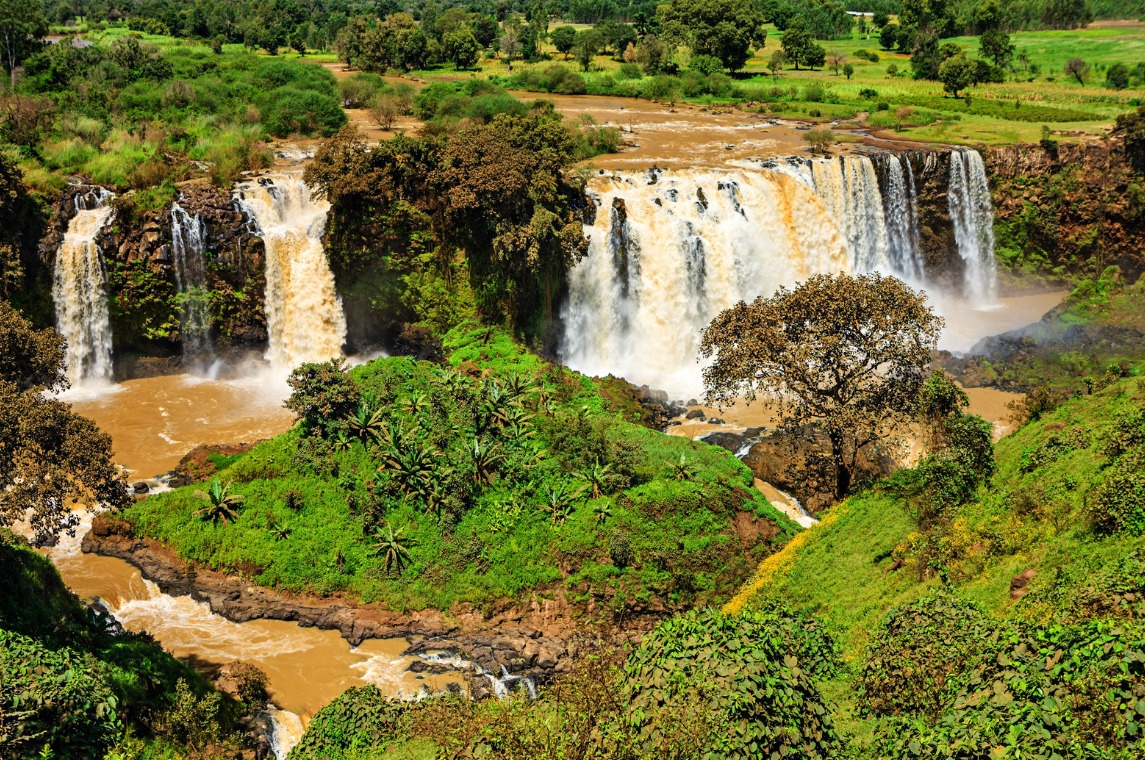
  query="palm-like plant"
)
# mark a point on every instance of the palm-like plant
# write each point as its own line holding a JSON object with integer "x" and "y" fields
{"x": 683, "y": 469}
{"x": 601, "y": 510}
{"x": 366, "y": 424}
{"x": 559, "y": 500}
{"x": 416, "y": 402}
{"x": 392, "y": 547}
{"x": 519, "y": 386}
{"x": 222, "y": 504}
{"x": 411, "y": 464}
{"x": 486, "y": 458}
{"x": 517, "y": 423}
{"x": 280, "y": 532}
{"x": 495, "y": 406}
{"x": 343, "y": 441}
{"x": 598, "y": 477}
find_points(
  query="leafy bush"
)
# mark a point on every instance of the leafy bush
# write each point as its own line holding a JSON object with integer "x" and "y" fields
{"x": 1118, "y": 503}
{"x": 756, "y": 681}
{"x": 322, "y": 396}
{"x": 361, "y": 718}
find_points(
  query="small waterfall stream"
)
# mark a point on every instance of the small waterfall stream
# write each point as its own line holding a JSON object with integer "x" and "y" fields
{"x": 188, "y": 243}
{"x": 304, "y": 316}
{"x": 900, "y": 208}
{"x": 79, "y": 290}
{"x": 972, "y": 212}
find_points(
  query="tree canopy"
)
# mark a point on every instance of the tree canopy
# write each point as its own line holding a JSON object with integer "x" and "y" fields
{"x": 49, "y": 456}
{"x": 723, "y": 29}
{"x": 843, "y": 354}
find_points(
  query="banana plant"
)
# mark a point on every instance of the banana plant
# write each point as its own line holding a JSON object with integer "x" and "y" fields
{"x": 392, "y": 547}
{"x": 366, "y": 424}
{"x": 598, "y": 477}
{"x": 222, "y": 504}
{"x": 486, "y": 458}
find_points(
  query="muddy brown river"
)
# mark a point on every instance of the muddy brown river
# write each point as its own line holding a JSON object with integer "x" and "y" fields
{"x": 153, "y": 423}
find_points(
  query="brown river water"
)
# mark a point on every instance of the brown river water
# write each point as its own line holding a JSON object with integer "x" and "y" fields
{"x": 153, "y": 423}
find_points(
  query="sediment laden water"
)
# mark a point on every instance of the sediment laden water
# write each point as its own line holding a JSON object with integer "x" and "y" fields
{"x": 668, "y": 251}
{"x": 188, "y": 244}
{"x": 304, "y": 316}
{"x": 972, "y": 212}
{"x": 79, "y": 290}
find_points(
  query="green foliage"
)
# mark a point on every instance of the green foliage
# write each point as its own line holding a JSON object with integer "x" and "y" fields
{"x": 361, "y": 718}
{"x": 323, "y": 396}
{"x": 505, "y": 462}
{"x": 1118, "y": 503}
{"x": 756, "y": 672}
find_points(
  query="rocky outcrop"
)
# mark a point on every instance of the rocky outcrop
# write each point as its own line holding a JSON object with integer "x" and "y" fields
{"x": 138, "y": 256}
{"x": 801, "y": 467}
{"x": 1067, "y": 209}
{"x": 944, "y": 266}
{"x": 530, "y": 641}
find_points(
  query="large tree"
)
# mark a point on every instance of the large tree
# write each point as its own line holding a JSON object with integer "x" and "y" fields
{"x": 839, "y": 355}
{"x": 50, "y": 457}
{"x": 22, "y": 24}
{"x": 723, "y": 29}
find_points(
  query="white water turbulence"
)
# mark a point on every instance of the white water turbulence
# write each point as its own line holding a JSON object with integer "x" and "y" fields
{"x": 972, "y": 212}
{"x": 188, "y": 244}
{"x": 670, "y": 251}
{"x": 304, "y": 316}
{"x": 79, "y": 290}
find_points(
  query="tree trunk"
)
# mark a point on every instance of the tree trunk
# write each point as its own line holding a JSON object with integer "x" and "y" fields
{"x": 842, "y": 471}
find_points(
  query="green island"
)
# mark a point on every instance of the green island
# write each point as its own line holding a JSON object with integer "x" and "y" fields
{"x": 572, "y": 380}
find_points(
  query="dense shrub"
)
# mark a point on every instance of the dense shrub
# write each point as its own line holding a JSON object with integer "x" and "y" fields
{"x": 361, "y": 718}
{"x": 1118, "y": 503}
{"x": 755, "y": 677}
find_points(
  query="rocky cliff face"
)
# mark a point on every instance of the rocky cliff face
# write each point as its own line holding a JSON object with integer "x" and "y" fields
{"x": 943, "y": 265}
{"x": 1067, "y": 210}
{"x": 138, "y": 256}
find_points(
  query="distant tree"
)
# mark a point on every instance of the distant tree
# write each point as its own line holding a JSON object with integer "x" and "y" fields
{"x": 839, "y": 354}
{"x": 22, "y": 25}
{"x": 1117, "y": 77}
{"x": 50, "y": 457}
{"x": 629, "y": 55}
{"x": 510, "y": 46}
{"x": 563, "y": 39}
{"x": 996, "y": 46}
{"x": 485, "y": 29}
{"x": 651, "y": 54}
{"x": 797, "y": 42}
{"x": 1078, "y": 69}
{"x": 815, "y": 56}
{"x": 777, "y": 61}
{"x": 384, "y": 110}
{"x": 586, "y": 47}
{"x": 888, "y": 36}
{"x": 848, "y": 70}
{"x": 902, "y": 115}
{"x": 725, "y": 29}
{"x": 461, "y": 47}
{"x": 217, "y": 44}
{"x": 1066, "y": 14}
{"x": 926, "y": 58}
{"x": 836, "y": 59}
{"x": 880, "y": 19}
{"x": 957, "y": 73}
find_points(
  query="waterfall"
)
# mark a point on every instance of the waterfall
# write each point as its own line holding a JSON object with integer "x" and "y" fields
{"x": 304, "y": 316}
{"x": 79, "y": 290}
{"x": 188, "y": 243}
{"x": 900, "y": 208}
{"x": 669, "y": 250}
{"x": 972, "y": 213}
{"x": 849, "y": 187}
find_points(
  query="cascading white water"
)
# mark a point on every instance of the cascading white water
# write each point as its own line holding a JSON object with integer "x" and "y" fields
{"x": 849, "y": 187}
{"x": 188, "y": 243}
{"x": 670, "y": 250}
{"x": 304, "y": 316}
{"x": 900, "y": 208}
{"x": 79, "y": 290}
{"x": 972, "y": 212}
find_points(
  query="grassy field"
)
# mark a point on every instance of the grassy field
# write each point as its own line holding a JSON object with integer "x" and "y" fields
{"x": 994, "y": 114}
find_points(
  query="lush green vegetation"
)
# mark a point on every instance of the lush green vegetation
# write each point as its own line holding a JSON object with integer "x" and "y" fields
{"x": 126, "y": 112}
{"x": 493, "y": 477}
{"x": 1032, "y": 641}
{"x": 76, "y": 686}
{"x": 702, "y": 684}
